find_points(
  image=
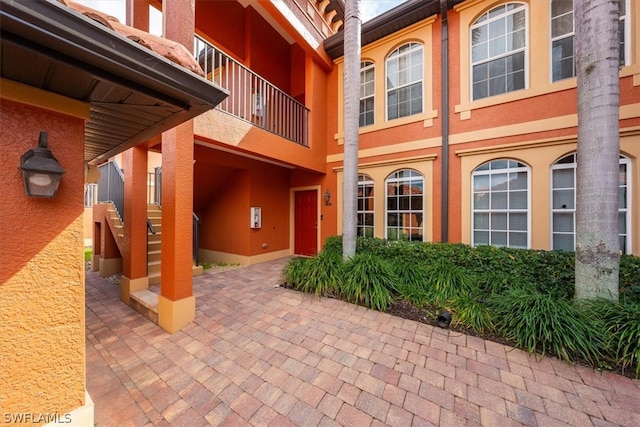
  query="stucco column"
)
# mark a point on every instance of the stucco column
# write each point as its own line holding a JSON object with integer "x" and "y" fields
{"x": 134, "y": 262}
{"x": 176, "y": 303}
{"x": 138, "y": 14}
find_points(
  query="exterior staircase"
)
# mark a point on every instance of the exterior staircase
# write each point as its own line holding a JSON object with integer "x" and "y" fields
{"x": 154, "y": 255}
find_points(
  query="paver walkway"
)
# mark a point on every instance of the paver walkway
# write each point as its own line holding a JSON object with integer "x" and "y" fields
{"x": 261, "y": 355}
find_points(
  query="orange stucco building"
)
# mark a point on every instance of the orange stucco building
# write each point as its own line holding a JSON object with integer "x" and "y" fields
{"x": 502, "y": 136}
{"x": 464, "y": 138}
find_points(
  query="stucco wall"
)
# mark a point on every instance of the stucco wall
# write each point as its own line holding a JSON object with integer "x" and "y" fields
{"x": 42, "y": 345}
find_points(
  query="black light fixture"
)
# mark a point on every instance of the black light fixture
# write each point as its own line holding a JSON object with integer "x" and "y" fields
{"x": 327, "y": 198}
{"x": 40, "y": 170}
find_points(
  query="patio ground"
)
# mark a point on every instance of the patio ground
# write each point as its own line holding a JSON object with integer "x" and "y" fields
{"x": 262, "y": 355}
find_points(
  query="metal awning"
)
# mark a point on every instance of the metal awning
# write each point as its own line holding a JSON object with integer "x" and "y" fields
{"x": 134, "y": 93}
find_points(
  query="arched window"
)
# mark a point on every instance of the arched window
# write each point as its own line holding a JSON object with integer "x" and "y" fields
{"x": 501, "y": 204}
{"x": 405, "y": 205}
{"x": 562, "y": 32}
{"x": 367, "y": 91}
{"x": 365, "y": 206}
{"x": 404, "y": 81}
{"x": 563, "y": 204}
{"x": 498, "y": 49}
{"x": 562, "y": 36}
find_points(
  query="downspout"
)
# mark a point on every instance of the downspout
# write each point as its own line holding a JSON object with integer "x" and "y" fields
{"x": 445, "y": 122}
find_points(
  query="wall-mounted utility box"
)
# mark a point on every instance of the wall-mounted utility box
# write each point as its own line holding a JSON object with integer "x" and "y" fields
{"x": 256, "y": 217}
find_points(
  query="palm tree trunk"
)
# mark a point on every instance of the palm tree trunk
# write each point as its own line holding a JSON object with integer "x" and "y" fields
{"x": 352, "y": 43}
{"x": 597, "y": 61}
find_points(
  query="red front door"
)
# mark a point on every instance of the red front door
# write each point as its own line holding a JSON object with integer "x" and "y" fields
{"x": 306, "y": 222}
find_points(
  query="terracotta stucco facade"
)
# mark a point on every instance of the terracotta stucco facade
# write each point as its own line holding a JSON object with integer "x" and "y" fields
{"x": 42, "y": 341}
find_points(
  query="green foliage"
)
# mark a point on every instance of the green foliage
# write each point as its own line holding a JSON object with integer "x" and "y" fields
{"x": 542, "y": 322}
{"x": 525, "y": 296}
{"x": 205, "y": 264}
{"x": 472, "y": 312}
{"x": 319, "y": 275}
{"x": 368, "y": 280}
{"x": 630, "y": 279}
{"x": 295, "y": 272}
{"x": 412, "y": 278}
{"x": 88, "y": 253}
{"x": 446, "y": 281}
{"x": 621, "y": 323}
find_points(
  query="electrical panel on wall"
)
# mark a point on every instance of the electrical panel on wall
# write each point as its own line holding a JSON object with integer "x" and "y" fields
{"x": 256, "y": 217}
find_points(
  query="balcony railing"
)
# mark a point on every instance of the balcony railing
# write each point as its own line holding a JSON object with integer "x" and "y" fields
{"x": 252, "y": 98}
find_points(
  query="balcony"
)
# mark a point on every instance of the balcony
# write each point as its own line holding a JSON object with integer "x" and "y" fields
{"x": 252, "y": 98}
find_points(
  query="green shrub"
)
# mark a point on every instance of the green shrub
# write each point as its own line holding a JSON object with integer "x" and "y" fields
{"x": 88, "y": 253}
{"x": 630, "y": 279}
{"x": 295, "y": 272}
{"x": 446, "y": 281}
{"x": 621, "y": 324}
{"x": 542, "y": 322}
{"x": 412, "y": 277}
{"x": 368, "y": 280}
{"x": 472, "y": 312}
{"x": 319, "y": 275}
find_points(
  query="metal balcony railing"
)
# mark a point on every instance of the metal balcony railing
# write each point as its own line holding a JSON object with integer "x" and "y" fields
{"x": 252, "y": 98}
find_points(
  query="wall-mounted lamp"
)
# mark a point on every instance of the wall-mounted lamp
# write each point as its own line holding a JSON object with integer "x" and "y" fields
{"x": 327, "y": 198}
{"x": 40, "y": 170}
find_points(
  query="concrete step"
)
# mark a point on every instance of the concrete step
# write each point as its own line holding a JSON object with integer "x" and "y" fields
{"x": 153, "y": 256}
{"x": 145, "y": 302}
{"x": 153, "y": 267}
{"x": 154, "y": 237}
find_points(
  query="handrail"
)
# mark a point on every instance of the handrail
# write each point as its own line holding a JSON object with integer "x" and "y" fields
{"x": 150, "y": 227}
{"x": 196, "y": 238}
{"x": 111, "y": 187}
{"x": 251, "y": 97}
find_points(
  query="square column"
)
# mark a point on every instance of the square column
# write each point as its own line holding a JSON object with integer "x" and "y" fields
{"x": 176, "y": 303}
{"x": 134, "y": 262}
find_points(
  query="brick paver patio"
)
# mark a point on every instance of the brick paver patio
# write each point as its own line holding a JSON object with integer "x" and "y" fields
{"x": 261, "y": 355}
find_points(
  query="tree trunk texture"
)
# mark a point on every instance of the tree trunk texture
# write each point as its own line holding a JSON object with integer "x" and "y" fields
{"x": 352, "y": 43}
{"x": 597, "y": 170}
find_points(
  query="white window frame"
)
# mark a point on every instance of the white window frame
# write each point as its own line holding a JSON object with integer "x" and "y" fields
{"x": 489, "y": 172}
{"x": 627, "y": 32}
{"x": 391, "y": 179}
{"x": 524, "y": 49}
{"x": 364, "y": 67}
{"x": 396, "y": 55}
{"x": 553, "y": 39}
{"x": 627, "y": 211}
{"x": 626, "y": 27}
{"x": 365, "y": 182}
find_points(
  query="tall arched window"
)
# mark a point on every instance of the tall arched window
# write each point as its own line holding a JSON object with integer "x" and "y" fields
{"x": 367, "y": 91}
{"x": 405, "y": 205}
{"x": 501, "y": 204}
{"x": 563, "y": 204}
{"x": 404, "y": 81}
{"x": 498, "y": 49}
{"x": 562, "y": 36}
{"x": 365, "y": 215}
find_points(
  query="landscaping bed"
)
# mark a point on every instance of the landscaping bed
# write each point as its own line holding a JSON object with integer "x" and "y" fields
{"x": 523, "y": 298}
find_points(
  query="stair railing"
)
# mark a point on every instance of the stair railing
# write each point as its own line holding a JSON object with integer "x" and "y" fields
{"x": 196, "y": 238}
{"x": 196, "y": 220}
{"x": 111, "y": 187}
